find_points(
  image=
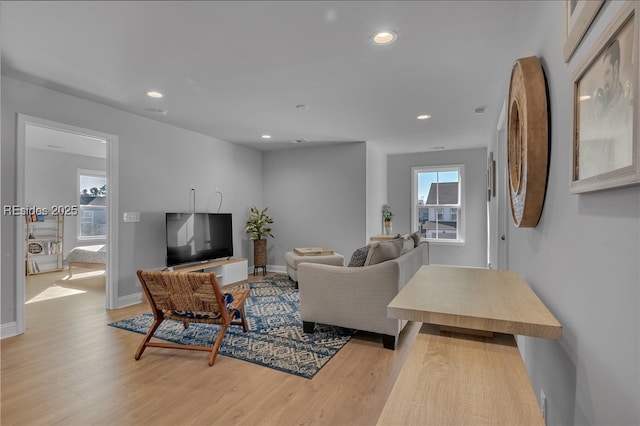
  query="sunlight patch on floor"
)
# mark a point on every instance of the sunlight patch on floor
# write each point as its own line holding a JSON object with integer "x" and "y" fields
{"x": 54, "y": 292}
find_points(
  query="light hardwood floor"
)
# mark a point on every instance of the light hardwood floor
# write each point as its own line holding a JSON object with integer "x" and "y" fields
{"x": 70, "y": 368}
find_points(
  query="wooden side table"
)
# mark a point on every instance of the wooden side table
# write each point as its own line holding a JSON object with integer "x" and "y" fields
{"x": 382, "y": 237}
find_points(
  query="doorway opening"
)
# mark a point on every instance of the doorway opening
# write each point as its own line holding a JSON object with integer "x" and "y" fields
{"x": 50, "y": 156}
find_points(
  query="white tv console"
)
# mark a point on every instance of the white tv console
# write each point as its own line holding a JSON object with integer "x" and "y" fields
{"x": 228, "y": 271}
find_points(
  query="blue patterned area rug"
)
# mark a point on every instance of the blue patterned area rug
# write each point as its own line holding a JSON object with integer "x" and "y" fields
{"x": 275, "y": 338}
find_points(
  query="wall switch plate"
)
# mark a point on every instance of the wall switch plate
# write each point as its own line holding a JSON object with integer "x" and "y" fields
{"x": 132, "y": 216}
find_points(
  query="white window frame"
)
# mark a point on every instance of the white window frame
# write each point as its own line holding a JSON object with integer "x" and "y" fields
{"x": 415, "y": 171}
{"x": 87, "y": 172}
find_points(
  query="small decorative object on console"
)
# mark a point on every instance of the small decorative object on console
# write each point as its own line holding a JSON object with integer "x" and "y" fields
{"x": 386, "y": 216}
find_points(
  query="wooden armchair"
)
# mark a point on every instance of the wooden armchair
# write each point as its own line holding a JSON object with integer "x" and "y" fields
{"x": 190, "y": 298}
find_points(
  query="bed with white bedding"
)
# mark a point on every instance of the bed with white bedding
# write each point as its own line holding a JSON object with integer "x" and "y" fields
{"x": 92, "y": 257}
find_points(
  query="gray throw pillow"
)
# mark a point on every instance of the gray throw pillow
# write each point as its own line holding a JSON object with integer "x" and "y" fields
{"x": 407, "y": 245}
{"x": 359, "y": 256}
{"x": 384, "y": 250}
{"x": 416, "y": 239}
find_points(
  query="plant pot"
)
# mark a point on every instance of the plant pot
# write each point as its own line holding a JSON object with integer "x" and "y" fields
{"x": 260, "y": 253}
{"x": 387, "y": 227}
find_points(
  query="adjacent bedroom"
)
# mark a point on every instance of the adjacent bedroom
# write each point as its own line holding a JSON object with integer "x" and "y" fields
{"x": 66, "y": 190}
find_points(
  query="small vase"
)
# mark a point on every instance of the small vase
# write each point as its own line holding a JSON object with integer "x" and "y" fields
{"x": 387, "y": 227}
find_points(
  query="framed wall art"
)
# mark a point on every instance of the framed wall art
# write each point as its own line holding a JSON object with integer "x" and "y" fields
{"x": 605, "y": 105}
{"x": 578, "y": 16}
{"x": 491, "y": 177}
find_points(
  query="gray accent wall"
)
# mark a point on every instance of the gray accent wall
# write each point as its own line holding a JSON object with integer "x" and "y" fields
{"x": 474, "y": 251}
{"x": 317, "y": 197}
{"x": 582, "y": 259}
{"x": 158, "y": 164}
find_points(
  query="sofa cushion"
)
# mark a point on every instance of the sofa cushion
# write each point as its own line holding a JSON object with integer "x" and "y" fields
{"x": 359, "y": 257}
{"x": 381, "y": 251}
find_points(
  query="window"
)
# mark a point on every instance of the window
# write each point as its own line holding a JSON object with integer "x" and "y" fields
{"x": 92, "y": 204}
{"x": 437, "y": 212}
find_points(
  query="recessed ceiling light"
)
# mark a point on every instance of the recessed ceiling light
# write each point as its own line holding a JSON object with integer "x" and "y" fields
{"x": 585, "y": 97}
{"x": 423, "y": 117}
{"x": 266, "y": 136}
{"x": 480, "y": 110}
{"x": 384, "y": 37}
{"x": 154, "y": 94}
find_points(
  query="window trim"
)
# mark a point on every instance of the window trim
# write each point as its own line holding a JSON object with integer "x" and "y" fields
{"x": 415, "y": 171}
{"x": 94, "y": 173}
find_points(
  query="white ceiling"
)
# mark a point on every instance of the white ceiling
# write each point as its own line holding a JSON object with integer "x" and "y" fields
{"x": 236, "y": 70}
{"x": 60, "y": 141}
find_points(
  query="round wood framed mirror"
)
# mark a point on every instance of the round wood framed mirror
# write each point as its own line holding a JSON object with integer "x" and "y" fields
{"x": 528, "y": 141}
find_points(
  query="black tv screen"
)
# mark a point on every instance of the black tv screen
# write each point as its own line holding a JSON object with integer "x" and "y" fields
{"x": 197, "y": 237}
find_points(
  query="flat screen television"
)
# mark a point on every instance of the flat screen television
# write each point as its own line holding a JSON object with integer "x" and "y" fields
{"x": 197, "y": 237}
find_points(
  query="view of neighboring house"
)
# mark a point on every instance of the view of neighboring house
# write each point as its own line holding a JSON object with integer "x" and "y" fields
{"x": 93, "y": 219}
{"x": 93, "y": 211}
{"x": 436, "y": 218}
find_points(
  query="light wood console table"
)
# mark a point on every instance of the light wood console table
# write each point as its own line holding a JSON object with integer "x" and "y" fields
{"x": 472, "y": 298}
{"x": 452, "y": 378}
{"x": 457, "y": 379}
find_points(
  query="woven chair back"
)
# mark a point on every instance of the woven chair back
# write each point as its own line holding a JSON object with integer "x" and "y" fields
{"x": 182, "y": 291}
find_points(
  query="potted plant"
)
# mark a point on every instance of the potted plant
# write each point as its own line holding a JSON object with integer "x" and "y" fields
{"x": 386, "y": 216}
{"x": 259, "y": 226}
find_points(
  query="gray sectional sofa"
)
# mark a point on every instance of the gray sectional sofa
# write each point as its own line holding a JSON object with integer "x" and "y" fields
{"x": 357, "y": 297}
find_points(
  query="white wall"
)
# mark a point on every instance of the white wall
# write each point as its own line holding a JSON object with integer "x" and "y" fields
{"x": 317, "y": 197}
{"x": 157, "y": 165}
{"x": 582, "y": 259}
{"x": 51, "y": 179}
{"x": 377, "y": 175}
{"x": 474, "y": 250}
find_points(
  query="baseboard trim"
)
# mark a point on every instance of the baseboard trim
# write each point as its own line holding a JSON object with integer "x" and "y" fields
{"x": 132, "y": 299}
{"x": 277, "y": 268}
{"x": 8, "y": 330}
{"x": 270, "y": 268}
